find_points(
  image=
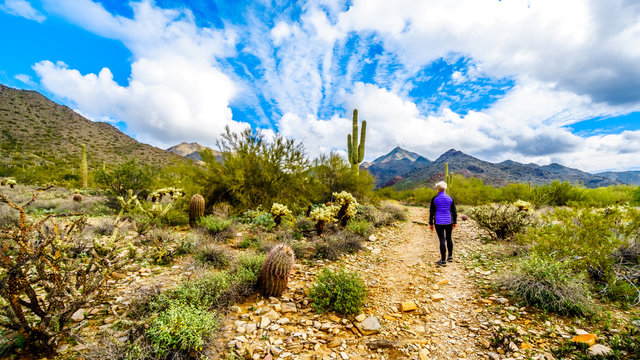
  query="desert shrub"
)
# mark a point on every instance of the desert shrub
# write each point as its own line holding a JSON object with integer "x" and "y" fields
{"x": 513, "y": 192}
{"x": 127, "y": 176}
{"x": 396, "y": 213}
{"x": 360, "y": 227}
{"x": 204, "y": 293}
{"x": 214, "y": 225}
{"x": 181, "y": 328}
{"x": 250, "y": 242}
{"x": 214, "y": 254}
{"x": 245, "y": 276}
{"x": 337, "y": 244}
{"x": 303, "y": 227}
{"x": 555, "y": 194}
{"x": 587, "y": 237}
{"x": 501, "y": 222}
{"x": 39, "y": 304}
{"x": 550, "y": 285}
{"x": 340, "y": 291}
{"x": 606, "y": 196}
{"x": 175, "y": 217}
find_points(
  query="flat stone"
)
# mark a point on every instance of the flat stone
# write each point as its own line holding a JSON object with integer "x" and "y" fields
{"x": 264, "y": 322}
{"x": 251, "y": 328}
{"x": 589, "y": 339}
{"x": 437, "y": 297}
{"x": 581, "y": 332}
{"x": 502, "y": 300}
{"x": 361, "y": 317}
{"x": 372, "y": 238}
{"x": 334, "y": 318}
{"x": 344, "y": 355}
{"x": 423, "y": 354}
{"x": 288, "y": 308}
{"x": 272, "y": 315}
{"x": 370, "y": 325}
{"x": 526, "y": 346}
{"x": 599, "y": 349}
{"x": 443, "y": 282}
{"x": 493, "y": 356}
{"x": 78, "y": 315}
{"x": 408, "y": 306}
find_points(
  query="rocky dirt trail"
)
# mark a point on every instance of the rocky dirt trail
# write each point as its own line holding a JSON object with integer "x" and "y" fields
{"x": 414, "y": 309}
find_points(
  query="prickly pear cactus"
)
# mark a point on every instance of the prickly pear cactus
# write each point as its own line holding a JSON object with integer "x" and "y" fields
{"x": 196, "y": 209}
{"x": 274, "y": 275}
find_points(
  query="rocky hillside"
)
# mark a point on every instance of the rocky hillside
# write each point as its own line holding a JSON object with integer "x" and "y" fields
{"x": 37, "y": 132}
{"x": 386, "y": 169}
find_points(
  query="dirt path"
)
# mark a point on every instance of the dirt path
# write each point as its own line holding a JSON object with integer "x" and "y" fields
{"x": 398, "y": 267}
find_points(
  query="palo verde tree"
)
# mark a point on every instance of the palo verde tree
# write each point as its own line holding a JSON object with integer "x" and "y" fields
{"x": 256, "y": 171}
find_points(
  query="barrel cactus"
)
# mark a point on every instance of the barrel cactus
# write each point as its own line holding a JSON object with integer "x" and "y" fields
{"x": 276, "y": 270}
{"x": 196, "y": 209}
{"x": 77, "y": 197}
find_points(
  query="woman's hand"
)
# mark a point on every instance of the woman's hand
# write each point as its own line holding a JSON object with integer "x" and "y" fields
{"x": 431, "y": 227}
{"x": 454, "y": 226}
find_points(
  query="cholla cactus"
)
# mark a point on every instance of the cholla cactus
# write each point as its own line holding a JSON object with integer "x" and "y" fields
{"x": 11, "y": 182}
{"x": 323, "y": 215}
{"x": 173, "y": 193}
{"x": 279, "y": 211}
{"x": 522, "y": 205}
{"x": 348, "y": 207}
{"x": 276, "y": 269}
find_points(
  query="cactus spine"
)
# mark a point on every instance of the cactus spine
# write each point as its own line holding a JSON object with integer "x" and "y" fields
{"x": 355, "y": 150}
{"x": 275, "y": 271}
{"x": 84, "y": 170}
{"x": 196, "y": 209}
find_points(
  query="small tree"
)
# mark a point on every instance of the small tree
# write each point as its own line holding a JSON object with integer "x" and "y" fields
{"x": 127, "y": 176}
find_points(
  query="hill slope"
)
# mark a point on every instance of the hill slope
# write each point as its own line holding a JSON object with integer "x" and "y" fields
{"x": 36, "y": 133}
{"x": 191, "y": 150}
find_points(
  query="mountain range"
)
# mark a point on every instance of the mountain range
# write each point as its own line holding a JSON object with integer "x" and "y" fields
{"x": 404, "y": 169}
{"x": 36, "y": 133}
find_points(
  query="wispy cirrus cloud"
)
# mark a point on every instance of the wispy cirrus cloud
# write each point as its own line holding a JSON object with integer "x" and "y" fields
{"x": 22, "y": 8}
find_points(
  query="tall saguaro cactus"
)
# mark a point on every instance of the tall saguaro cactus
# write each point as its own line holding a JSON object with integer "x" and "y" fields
{"x": 355, "y": 149}
{"x": 84, "y": 169}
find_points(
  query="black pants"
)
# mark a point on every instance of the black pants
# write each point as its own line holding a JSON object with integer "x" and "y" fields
{"x": 444, "y": 235}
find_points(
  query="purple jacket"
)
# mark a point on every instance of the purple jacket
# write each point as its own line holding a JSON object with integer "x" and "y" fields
{"x": 442, "y": 210}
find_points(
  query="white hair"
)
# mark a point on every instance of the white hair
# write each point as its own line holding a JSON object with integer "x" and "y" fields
{"x": 441, "y": 185}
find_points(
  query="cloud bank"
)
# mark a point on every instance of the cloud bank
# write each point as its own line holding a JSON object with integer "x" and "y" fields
{"x": 496, "y": 79}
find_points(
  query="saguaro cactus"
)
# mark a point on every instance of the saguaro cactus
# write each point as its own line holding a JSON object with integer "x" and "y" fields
{"x": 84, "y": 170}
{"x": 196, "y": 209}
{"x": 356, "y": 150}
{"x": 277, "y": 266}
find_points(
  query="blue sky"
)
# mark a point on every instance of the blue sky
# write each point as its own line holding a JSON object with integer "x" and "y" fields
{"x": 528, "y": 81}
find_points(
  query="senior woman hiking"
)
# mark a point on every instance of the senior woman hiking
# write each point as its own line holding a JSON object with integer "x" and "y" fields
{"x": 442, "y": 213}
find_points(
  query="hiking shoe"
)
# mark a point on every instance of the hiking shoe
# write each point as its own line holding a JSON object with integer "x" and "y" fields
{"x": 450, "y": 259}
{"x": 441, "y": 263}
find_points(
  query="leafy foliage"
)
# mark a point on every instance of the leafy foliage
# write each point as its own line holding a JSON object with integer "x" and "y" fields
{"x": 214, "y": 225}
{"x": 555, "y": 194}
{"x": 340, "y": 291}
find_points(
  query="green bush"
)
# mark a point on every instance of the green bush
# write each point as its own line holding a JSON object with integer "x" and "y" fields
{"x": 264, "y": 220}
{"x": 126, "y": 176}
{"x": 360, "y": 227}
{"x": 550, "y": 285}
{"x": 245, "y": 276}
{"x": 340, "y": 291}
{"x": 501, "y": 222}
{"x": 588, "y": 237}
{"x": 181, "y": 328}
{"x": 205, "y": 293}
{"x": 250, "y": 242}
{"x": 337, "y": 244}
{"x": 214, "y": 225}
{"x": 556, "y": 194}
